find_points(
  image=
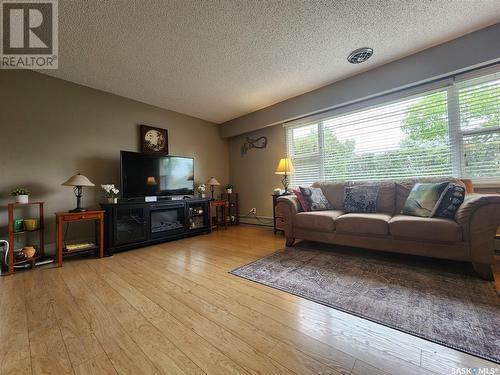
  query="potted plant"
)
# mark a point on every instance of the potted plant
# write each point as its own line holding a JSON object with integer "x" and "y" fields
{"x": 111, "y": 193}
{"x": 229, "y": 188}
{"x": 201, "y": 189}
{"x": 21, "y": 194}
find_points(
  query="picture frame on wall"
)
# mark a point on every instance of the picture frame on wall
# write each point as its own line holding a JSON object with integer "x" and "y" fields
{"x": 154, "y": 140}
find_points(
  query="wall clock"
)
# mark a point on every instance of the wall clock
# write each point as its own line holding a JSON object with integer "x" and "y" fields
{"x": 154, "y": 140}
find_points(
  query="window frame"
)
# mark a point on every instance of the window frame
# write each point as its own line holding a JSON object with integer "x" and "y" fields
{"x": 481, "y": 77}
{"x": 456, "y": 135}
{"x": 319, "y": 154}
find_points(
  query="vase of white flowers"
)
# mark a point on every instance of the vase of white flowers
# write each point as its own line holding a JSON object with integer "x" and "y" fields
{"x": 111, "y": 193}
{"x": 201, "y": 189}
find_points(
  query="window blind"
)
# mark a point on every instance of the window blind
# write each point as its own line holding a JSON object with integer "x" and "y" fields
{"x": 479, "y": 117}
{"x": 453, "y": 130}
{"x": 304, "y": 144}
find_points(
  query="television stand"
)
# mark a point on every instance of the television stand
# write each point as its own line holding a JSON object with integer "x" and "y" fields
{"x": 132, "y": 224}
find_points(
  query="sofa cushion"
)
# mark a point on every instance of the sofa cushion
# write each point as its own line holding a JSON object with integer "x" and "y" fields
{"x": 385, "y": 196}
{"x": 423, "y": 199}
{"x": 315, "y": 198}
{"x": 361, "y": 199}
{"x": 424, "y": 228}
{"x": 391, "y": 194}
{"x": 404, "y": 187}
{"x": 402, "y": 193}
{"x": 334, "y": 192}
{"x": 300, "y": 197}
{"x": 450, "y": 200}
{"x": 361, "y": 223}
{"x": 323, "y": 221}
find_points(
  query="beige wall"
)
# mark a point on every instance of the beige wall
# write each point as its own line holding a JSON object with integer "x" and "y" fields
{"x": 253, "y": 173}
{"x": 52, "y": 129}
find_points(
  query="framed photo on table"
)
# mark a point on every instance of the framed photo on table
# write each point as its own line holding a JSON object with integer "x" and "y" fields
{"x": 154, "y": 140}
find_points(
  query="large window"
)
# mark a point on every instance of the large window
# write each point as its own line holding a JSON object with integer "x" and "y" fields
{"x": 451, "y": 131}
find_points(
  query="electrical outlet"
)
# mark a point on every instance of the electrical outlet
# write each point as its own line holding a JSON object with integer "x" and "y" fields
{"x": 253, "y": 211}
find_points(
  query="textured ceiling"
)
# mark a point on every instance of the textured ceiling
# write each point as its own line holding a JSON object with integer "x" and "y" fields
{"x": 218, "y": 60}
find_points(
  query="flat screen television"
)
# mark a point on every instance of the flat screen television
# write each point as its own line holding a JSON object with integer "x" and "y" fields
{"x": 152, "y": 175}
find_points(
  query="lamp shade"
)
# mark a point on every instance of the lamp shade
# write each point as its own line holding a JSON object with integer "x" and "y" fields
{"x": 285, "y": 166}
{"x": 213, "y": 181}
{"x": 78, "y": 180}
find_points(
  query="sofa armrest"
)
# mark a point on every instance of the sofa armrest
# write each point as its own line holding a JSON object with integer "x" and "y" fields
{"x": 290, "y": 202}
{"x": 479, "y": 217}
{"x": 289, "y": 206}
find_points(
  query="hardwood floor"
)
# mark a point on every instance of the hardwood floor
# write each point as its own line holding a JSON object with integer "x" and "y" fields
{"x": 174, "y": 309}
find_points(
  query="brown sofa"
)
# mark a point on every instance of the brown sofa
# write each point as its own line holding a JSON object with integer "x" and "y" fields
{"x": 469, "y": 237}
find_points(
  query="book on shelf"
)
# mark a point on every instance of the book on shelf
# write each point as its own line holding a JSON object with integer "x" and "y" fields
{"x": 79, "y": 246}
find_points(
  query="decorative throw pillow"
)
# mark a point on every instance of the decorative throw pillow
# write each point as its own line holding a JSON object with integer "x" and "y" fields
{"x": 301, "y": 199}
{"x": 315, "y": 198}
{"x": 362, "y": 198}
{"x": 449, "y": 202}
{"x": 423, "y": 199}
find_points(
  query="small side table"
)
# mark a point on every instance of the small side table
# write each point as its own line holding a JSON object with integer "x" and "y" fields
{"x": 278, "y": 221}
{"x": 218, "y": 207}
{"x": 71, "y": 217}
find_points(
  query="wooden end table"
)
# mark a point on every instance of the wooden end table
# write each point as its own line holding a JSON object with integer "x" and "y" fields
{"x": 278, "y": 220}
{"x": 72, "y": 217}
{"x": 218, "y": 207}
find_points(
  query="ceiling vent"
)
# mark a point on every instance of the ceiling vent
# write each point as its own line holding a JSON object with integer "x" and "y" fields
{"x": 360, "y": 55}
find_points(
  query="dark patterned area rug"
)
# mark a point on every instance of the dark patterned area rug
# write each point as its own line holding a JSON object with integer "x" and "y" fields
{"x": 441, "y": 301}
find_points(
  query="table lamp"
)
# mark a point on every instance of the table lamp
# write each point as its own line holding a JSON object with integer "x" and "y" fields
{"x": 212, "y": 182}
{"x": 78, "y": 181}
{"x": 285, "y": 167}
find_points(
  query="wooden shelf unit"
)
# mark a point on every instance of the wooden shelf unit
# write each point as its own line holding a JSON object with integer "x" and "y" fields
{"x": 40, "y": 230}
{"x": 233, "y": 208}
